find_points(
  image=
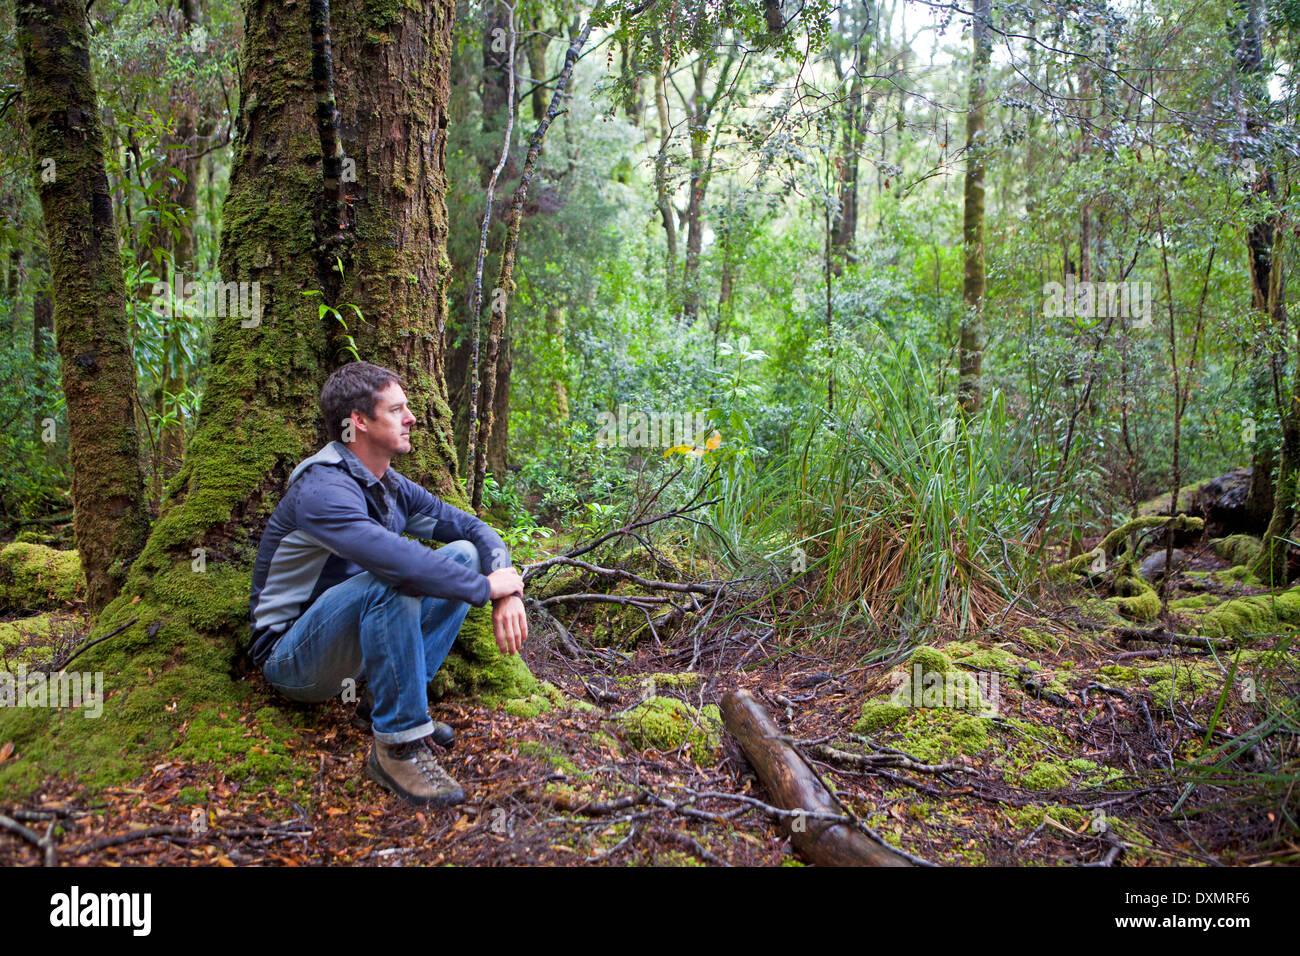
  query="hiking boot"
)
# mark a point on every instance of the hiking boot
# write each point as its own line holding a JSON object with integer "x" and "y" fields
{"x": 443, "y": 735}
{"x": 412, "y": 772}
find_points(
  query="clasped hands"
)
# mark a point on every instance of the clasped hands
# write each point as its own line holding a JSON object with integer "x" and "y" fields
{"x": 509, "y": 620}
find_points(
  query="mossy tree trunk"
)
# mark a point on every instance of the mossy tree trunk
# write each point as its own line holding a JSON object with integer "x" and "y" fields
{"x": 1267, "y": 360}
{"x": 110, "y": 518}
{"x": 188, "y": 592}
{"x": 972, "y": 325}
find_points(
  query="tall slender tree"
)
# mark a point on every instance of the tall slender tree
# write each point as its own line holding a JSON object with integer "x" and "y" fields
{"x": 110, "y": 518}
{"x": 972, "y": 327}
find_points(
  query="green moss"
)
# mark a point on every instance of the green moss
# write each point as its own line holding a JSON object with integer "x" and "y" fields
{"x": 1096, "y": 609}
{"x": 676, "y": 858}
{"x": 189, "y": 796}
{"x": 934, "y": 734}
{"x": 1246, "y": 617}
{"x": 1181, "y": 681}
{"x": 1068, "y": 570}
{"x": 34, "y": 577}
{"x": 665, "y": 723}
{"x": 1137, "y": 600}
{"x": 258, "y": 751}
{"x": 1039, "y": 640}
{"x": 1160, "y": 502}
{"x": 1237, "y": 549}
{"x": 32, "y": 640}
{"x": 930, "y": 659}
{"x": 546, "y": 697}
{"x": 679, "y": 680}
{"x": 1193, "y": 603}
{"x": 1238, "y": 575}
{"x": 549, "y": 754}
{"x": 618, "y": 625}
{"x": 1076, "y": 772}
{"x": 1118, "y": 674}
{"x": 877, "y": 714}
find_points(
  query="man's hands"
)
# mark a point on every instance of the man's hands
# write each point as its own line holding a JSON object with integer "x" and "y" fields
{"x": 509, "y": 620}
{"x": 505, "y": 582}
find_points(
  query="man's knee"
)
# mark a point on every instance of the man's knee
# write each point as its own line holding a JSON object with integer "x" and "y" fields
{"x": 464, "y": 552}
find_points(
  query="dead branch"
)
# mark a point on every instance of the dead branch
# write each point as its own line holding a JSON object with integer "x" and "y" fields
{"x": 1162, "y": 635}
{"x": 871, "y": 761}
{"x": 796, "y": 787}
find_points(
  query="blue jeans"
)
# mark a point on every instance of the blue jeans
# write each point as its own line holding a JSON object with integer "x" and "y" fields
{"x": 364, "y": 628}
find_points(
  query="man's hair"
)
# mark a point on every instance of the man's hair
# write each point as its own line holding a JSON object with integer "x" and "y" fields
{"x": 355, "y": 386}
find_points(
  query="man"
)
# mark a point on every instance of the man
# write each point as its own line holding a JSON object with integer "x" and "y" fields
{"x": 339, "y": 594}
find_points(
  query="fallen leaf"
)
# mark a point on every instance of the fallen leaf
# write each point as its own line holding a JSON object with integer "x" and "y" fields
{"x": 5, "y": 750}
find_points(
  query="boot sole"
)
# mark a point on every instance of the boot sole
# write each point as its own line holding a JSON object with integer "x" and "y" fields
{"x": 377, "y": 774}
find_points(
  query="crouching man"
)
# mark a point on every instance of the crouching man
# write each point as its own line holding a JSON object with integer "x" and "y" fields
{"x": 339, "y": 594}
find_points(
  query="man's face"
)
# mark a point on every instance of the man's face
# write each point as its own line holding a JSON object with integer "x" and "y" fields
{"x": 389, "y": 431}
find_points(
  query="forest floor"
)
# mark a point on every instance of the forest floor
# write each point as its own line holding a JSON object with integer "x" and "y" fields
{"x": 1077, "y": 754}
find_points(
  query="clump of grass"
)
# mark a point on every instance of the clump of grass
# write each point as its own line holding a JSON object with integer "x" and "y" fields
{"x": 908, "y": 509}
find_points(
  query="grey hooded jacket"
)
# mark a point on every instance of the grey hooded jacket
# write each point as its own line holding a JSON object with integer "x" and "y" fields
{"x": 337, "y": 519}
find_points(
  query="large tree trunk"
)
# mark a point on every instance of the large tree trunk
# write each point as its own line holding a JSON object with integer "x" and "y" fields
{"x": 110, "y": 519}
{"x": 188, "y": 593}
{"x": 972, "y": 326}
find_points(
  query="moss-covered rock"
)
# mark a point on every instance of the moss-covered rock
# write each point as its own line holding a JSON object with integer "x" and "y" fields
{"x": 34, "y": 577}
{"x": 1244, "y": 617}
{"x": 879, "y": 714}
{"x": 1237, "y": 549}
{"x": 665, "y": 723}
{"x": 931, "y": 734}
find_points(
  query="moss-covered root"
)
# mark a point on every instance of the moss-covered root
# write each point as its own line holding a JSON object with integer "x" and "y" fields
{"x": 1135, "y": 599}
{"x": 34, "y": 577}
{"x": 1066, "y": 570}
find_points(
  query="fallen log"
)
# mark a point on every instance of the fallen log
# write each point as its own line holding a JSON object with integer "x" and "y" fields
{"x": 795, "y": 787}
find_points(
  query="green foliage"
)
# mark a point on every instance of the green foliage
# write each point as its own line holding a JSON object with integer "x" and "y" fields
{"x": 34, "y": 473}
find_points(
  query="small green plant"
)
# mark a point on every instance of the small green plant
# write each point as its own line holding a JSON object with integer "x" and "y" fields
{"x": 349, "y": 344}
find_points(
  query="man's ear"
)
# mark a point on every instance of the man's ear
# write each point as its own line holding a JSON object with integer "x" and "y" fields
{"x": 350, "y": 426}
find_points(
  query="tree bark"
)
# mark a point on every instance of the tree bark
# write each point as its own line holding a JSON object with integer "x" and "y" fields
{"x": 110, "y": 518}
{"x": 1268, "y": 359}
{"x": 972, "y": 327}
{"x": 663, "y": 192}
